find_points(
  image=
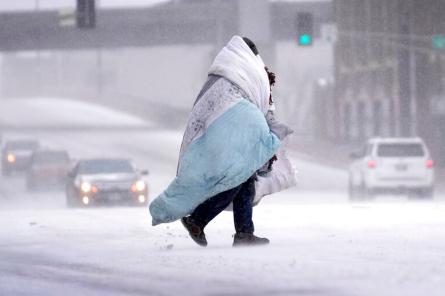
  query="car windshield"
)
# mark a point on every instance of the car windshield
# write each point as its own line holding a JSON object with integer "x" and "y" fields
{"x": 51, "y": 158}
{"x": 22, "y": 145}
{"x": 400, "y": 150}
{"x": 105, "y": 167}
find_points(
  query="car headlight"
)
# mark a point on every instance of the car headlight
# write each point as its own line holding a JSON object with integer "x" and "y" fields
{"x": 85, "y": 187}
{"x": 85, "y": 200}
{"x": 140, "y": 185}
{"x": 11, "y": 158}
{"x": 142, "y": 198}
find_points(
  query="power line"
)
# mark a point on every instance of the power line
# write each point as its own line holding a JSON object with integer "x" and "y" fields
{"x": 405, "y": 44}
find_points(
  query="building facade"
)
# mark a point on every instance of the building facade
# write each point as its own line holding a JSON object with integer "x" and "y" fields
{"x": 390, "y": 69}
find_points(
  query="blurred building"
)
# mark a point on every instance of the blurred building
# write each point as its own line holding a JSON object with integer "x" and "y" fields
{"x": 390, "y": 70}
{"x": 174, "y": 22}
{"x": 156, "y": 58}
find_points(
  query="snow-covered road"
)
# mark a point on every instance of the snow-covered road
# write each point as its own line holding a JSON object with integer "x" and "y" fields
{"x": 320, "y": 243}
{"x": 317, "y": 249}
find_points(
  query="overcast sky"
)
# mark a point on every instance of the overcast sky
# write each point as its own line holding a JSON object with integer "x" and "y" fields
{"x": 6, "y": 5}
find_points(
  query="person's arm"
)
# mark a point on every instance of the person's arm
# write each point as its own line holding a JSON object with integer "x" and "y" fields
{"x": 280, "y": 129}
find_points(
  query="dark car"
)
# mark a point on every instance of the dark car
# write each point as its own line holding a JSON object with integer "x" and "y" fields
{"x": 100, "y": 181}
{"x": 48, "y": 170}
{"x": 16, "y": 155}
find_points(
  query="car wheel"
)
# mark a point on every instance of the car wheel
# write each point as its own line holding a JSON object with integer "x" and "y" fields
{"x": 144, "y": 204}
{"x": 70, "y": 200}
{"x": 353, "y": 191}
{"x": 424, "y": 193}
{"x": 365, "y": 193}
{"x": 30, "y": 185}
{"x": 429, "y": 192}
{"x": 368, "y": 193}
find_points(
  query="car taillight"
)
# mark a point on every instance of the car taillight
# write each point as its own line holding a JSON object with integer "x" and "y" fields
{"x": 429, "y": 163}
{"x": 372, "y": 164}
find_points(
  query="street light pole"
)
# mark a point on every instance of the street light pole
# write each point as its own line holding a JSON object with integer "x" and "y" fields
{"x": 406, "y": 71}
{"x": 413, "y": 90}
{"x": 39, "y": 66}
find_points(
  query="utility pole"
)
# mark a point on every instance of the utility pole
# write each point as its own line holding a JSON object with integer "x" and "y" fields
{"x": 38, "y": 54}
{"x": 1, "y": 77}
{"x": 406, "y": 70}
{"x": 99, "y": 62}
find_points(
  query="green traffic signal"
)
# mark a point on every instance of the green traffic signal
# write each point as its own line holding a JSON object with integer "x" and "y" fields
{"x": 305, "y": 39}
{"x": 439, "y": 41}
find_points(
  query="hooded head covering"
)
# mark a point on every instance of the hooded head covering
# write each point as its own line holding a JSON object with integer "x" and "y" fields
{"x": 238, "y": 63}
{"x": 251, "y": 45}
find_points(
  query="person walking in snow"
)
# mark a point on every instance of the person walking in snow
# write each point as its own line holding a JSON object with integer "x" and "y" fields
{"x": 241, "y": 197}
{"x": 229, "y": 137}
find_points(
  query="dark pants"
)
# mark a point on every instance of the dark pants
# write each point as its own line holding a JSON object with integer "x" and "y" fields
{"x": 241, "y": 196}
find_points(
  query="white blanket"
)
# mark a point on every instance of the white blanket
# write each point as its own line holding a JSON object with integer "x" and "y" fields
{"x": 240, "y": 65}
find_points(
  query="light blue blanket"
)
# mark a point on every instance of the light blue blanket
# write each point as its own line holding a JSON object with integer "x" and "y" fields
{"x": 232, "y": 148}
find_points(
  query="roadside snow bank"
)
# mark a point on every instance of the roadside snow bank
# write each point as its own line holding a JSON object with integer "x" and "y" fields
{"x": 61, "y": 112}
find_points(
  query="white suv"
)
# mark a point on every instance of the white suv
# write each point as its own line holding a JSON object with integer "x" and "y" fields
{"x": 392, "y": 165}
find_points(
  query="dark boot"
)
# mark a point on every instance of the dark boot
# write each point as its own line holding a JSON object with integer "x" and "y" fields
{"x": 195, "y": 231}
{"x": 248, "y": 239}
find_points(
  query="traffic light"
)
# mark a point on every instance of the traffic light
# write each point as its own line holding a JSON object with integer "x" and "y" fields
{"x": 305, "y": 28}
{"x": 86, "y": 14}
{"x": 439, "y": 41}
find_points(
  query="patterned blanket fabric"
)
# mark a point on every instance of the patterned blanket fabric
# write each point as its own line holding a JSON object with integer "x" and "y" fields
{"x": 227, "y": 139}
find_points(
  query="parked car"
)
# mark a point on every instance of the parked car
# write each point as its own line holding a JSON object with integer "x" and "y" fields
{"x": 97, "y": 181}
{"x": 16, "y": 155}
{"x": 48, "y": 170}
{"x": 392, "y": 165}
